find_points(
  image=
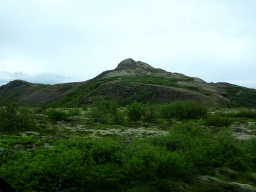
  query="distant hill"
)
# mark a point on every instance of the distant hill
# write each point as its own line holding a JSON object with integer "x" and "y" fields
{"x": 128, "y": 82}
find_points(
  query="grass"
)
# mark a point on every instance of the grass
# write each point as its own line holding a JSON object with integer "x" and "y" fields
{"x": 218, "y": 121}
{"x": 10, "y": 95}
{"x": 65, "y": 88}
{"x": 144, "y": 96}
{"x": 39, "y": 88}
{"x": 241, "y": 97}
{"x": 159, "y": 80}
{"x": 242, "y": 114}
{"x": 93, "y": 87}
{"x": 124, "y": 162}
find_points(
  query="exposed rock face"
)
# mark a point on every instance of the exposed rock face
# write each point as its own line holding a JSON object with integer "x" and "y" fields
{"x": 233, "y": 186}
{"x": 14, "y": 84}
{"x": 126, "y": 64}
{"x": 31, "y": 93}
{"x": 129, "y": 67}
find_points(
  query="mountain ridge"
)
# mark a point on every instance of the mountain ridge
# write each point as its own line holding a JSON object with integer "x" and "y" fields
{"x": 128, "y": 81}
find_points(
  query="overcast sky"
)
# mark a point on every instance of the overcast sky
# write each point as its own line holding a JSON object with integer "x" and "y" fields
{"x": 59, "y": 41}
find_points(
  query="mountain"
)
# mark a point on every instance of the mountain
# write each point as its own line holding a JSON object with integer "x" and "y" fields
{"x": 128, "y": 82}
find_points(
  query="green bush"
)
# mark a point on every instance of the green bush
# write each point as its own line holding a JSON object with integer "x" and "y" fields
{"x": 14, "y": 117}
{"x": 135, "y": 111}
{"x": 8, "y": 115}
{"x": 74, "y": 112}
{"x": 246, "y": 114}
{"x": 102, "y": 111}
{"x": 42, "y": 108}
{"x": 150, "y": 112}
{"x": 105, "y": 105}
{"x": 203, "y": 150}
{"x": 182, "y": 137}
{"x": 218, "y": 121}
{"x": 78, "y": 165}
{"x": 250, "y": 149}
{"x": 174, "y": 142}
{"x": 117, "y": 117}
{"x": 165, "y": 185}
{"x": 107, "y": 164}
{"x": 97, "y": 116}
{"x": 224, "y": 151}
{"x": 144, "y": 162}
{"x": 57, "y": 115}
{"x": 184, "y": 110}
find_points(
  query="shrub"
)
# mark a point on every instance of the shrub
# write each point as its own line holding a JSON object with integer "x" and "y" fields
{"x": 144, "y": 162}
{"x": 218, "y": 121}
{"x": 117, "y": 117}
{"x": 8, "y": 115}
{"x": 100, "y": 112}
{"x": 150, "y": 113}
{"x": 164, "y": 185}
{"x": 78, "y": 165}
{"x": 57, "y": 115}
{"x": 97, "y": 116}
{"x": 42, "y": 108}
{"x": 250, "y": 149}
{"x": 12, "y": 117}
{"x": 246, "y": 114}
{"x": 135, "y": 111}
{"x": 174, "y": 142}
{"x": 105, "y": 106}
{"x": 184, "y": 110}
{"x": 74, "y": 112}
{"x": 226, "y": 152}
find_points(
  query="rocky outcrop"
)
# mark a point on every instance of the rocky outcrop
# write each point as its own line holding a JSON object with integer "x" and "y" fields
{"x": 126, "y": 64}
{"x": 12, "y": 85}
{"x": 231, "y": 186}
{"x": 129, "y": 67}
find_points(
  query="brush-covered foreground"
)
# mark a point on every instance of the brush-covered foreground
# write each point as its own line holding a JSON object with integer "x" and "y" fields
{"x": 182, "y": 146}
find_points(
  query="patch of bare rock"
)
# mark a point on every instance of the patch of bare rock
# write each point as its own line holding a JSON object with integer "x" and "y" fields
{"x": 232, "y": 186}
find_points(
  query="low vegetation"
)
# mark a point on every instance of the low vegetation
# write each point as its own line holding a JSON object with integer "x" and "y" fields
{"x": 62, "y": 154}
{"x": 65, "y": 88}
{"x": 184, "y": 110}
{"x": 92, "y": 87}
{"x": 14, "y": 117}
{"x": 241, "y": 97}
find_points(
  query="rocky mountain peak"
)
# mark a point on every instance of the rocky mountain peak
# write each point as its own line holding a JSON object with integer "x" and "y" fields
{"x": 130, "y": 64}
{"x": 12, "y": 85}
{"x": 126, "y": 64}
{"x": 129, "y": 67}
{"x": 17, "y": 83}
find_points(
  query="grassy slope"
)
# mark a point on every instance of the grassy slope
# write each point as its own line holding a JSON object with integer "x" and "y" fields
{"x": 93, "y": 87}
{"x": 241, "y": 97}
